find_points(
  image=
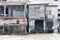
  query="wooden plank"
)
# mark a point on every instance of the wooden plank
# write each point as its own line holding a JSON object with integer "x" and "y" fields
{"x": 12, "y": 17}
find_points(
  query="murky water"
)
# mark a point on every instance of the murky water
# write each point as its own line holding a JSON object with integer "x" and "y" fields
{"x": 53, "y": 36}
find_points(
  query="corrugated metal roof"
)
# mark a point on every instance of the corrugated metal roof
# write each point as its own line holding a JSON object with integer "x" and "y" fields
{"x": 37, "y": 2}
{"x": 44, "y": 1}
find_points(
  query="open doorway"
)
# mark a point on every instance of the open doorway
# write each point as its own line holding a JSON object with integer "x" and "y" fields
{"x": 49, "y": 27}
{"x": 7, "y": 11}
{"x": 1, "y": 11}
{"x": 39, "y": 26}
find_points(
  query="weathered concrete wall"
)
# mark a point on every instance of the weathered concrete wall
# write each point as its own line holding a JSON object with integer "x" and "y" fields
{"x": 31, "y": 25}
{"x": 53, "y": 15}
{"x": 36, "y": 11}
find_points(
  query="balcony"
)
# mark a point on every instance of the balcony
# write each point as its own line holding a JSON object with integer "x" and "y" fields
{"x": 12, "y": 12}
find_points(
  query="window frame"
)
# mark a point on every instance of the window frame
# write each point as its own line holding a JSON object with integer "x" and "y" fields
{"x": 48, "y": 12}
{"x": 17, "y": 8}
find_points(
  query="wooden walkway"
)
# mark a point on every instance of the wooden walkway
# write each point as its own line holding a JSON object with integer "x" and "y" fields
{"x": 12, "y": 29}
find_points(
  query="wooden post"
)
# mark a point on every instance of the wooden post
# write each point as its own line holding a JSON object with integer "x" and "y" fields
{"x": 45, "y": 18}
{"x": 3, "y": 29}
{"x": 25, "y": 11}
{"x": 4, "y": 10}
{"x": 11, "y": 14}
{"x": 44, "y": 25}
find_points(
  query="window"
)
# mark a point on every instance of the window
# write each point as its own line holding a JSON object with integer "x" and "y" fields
{"x": 19, "y": 8}
{"x": 58, "y": 10}
{"x": 48, "y": 12}
{"x": 37, "y": 10}
{"x": 18, "y": 11}
{"x": 1, "y": 11}
{"x": 56, "y": 0}
{"x": 58, "y": 14}
{"x": 4, "y": 0}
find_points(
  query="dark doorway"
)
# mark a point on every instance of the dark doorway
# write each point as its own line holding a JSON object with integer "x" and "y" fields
{"x": 7, "y": 11}
{"x": 49, "y": 26}
{"x": 39, "y": 26}
{"x": 1, "y": 11}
